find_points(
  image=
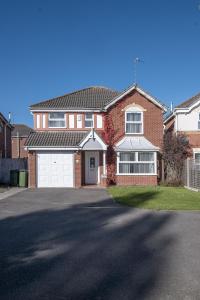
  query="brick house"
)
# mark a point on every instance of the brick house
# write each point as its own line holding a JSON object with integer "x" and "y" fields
{"x": 20, "y": 134}
{"x": 185, "y": 118}
{"x": 5, "y": 137}
{"x": 72, "y": 145}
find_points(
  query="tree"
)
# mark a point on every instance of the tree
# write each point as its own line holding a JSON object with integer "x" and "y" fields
{"x": 176, "y": 149}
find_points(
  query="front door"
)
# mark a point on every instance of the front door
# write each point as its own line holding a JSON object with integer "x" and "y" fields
{"x": 91, "y": 167}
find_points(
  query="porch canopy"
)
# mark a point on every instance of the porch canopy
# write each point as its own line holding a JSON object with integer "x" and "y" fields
{"x": 133, "y": 143}
{"x": 93, "y": 142}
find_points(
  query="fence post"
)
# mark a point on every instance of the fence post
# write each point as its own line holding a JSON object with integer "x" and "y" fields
{"x": 188, "y": 172}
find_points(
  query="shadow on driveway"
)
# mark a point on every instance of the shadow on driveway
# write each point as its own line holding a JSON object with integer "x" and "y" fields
{"x": 80, "y": 252}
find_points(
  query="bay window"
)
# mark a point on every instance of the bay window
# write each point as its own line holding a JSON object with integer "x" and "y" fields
{"x": 56, "y": 120}
{"x": 141, "y": 162}
{"x": 134, "y": 122}
{"x": 89, "y": 120}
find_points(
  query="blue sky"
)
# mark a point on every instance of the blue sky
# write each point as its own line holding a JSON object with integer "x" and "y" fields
{"x": 49, "y": 48}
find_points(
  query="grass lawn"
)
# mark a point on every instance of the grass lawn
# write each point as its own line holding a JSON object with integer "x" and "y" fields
{"x": 158, "y": 198}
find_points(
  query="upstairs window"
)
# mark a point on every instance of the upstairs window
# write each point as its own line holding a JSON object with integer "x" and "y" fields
{"x": 199, "y": 122}
{"x": 56, "y": 120}
{"x": 89, "y": 120}
{"x": 134, "y": 122}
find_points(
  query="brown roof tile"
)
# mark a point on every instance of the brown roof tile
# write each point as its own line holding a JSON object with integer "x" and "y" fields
{"x": 189, "y": 102}
{"x": 89, "y": 98}
{"x": 55, "y": 139}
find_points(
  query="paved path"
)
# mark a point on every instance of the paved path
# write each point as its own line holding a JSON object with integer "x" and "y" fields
{"x": 79, "y": 245}
{"x": 10, "y": 192}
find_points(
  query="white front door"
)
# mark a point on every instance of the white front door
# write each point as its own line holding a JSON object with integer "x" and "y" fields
{"x": 91, "y": 167}
{"x": 55, "y": 169}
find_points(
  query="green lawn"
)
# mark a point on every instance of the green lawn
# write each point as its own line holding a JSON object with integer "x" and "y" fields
{"x": 158, "y": 198}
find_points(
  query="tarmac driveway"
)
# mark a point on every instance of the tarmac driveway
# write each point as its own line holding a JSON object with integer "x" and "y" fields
{"x": 79, "y": 244}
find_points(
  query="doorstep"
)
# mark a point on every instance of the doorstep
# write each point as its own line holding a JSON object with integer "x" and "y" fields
{"x": 93, "y": 186}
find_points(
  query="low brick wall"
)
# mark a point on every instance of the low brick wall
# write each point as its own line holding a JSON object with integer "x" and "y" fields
{"x": 136, "y": 180}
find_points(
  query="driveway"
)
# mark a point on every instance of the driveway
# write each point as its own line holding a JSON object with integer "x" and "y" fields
{"x": 80, "y": 245}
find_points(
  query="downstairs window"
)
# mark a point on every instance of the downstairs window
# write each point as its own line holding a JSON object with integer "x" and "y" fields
{"x": 137, "y": 163}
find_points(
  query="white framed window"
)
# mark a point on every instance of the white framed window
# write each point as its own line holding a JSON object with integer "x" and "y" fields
{"x": 89, "y": 120}
{"x": 199, "y": 122}
{"x": 56, "y": 120}
{"x": 137, "y": 163}
{"x": 134, "y": 122}
{"x": 197, "y": 156}
{"x": 79, "y": 121}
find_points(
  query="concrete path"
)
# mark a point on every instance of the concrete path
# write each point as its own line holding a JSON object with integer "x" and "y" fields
{"x": 80, "y": 245}
{"x": 11, "y": 192}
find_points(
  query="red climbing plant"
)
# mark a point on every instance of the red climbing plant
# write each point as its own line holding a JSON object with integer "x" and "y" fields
{"x": 109, "y": 136}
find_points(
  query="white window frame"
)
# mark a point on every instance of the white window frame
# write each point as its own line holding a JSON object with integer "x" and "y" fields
{"x": 199, "y": 122}
{"x": 137, "y": 161}
{"x": 194, "y": 154}
{"x": 56, "y": 119}
{"x": 134, "y": 122}
{"x": 86, "y": 119}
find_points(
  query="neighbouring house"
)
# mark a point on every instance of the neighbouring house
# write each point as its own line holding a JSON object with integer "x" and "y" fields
{"x": 20, "y": 134}
{"x": 95, "y": 134}
{"x": 185, "y": 118}
{"x": 5, "y": 137}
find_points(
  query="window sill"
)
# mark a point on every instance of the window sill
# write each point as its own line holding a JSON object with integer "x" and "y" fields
{"x": 135, "y": 133}
{"x": 138, "y": 174}
{"x": 57, "y": 127}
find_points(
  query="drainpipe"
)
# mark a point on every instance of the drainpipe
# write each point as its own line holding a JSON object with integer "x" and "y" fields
{"x": 18, "y": 145}
{"x": 5, "y": 141}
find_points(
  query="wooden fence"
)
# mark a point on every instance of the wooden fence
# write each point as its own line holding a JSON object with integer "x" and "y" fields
{"x": 7, "y": 164}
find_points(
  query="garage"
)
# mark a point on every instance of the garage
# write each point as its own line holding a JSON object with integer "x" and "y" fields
{"x": 55, "y": 169}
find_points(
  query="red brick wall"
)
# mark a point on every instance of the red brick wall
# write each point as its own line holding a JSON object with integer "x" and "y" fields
{"x": 18, "y": 150}
{"x": 169, "y": 126}
{"x": 136, "y": 180}
{"x": 78, "y": 169}
{"x": 32, "y": 169}
{"x": 194, "y": 139}
{"x": 153, "y": 118}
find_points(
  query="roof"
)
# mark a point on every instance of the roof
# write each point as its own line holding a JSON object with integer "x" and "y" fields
{"x": 92, "y": 98}
{"x": 189, "y": 102}
{"x": 135, "y": 143}
{"x": 55, "y": 139}
{"x": 168, "y": 117}
{"x": 5, "y": 120}
{"x": 89, "y": 98}
{"x": 140, "y": 91}
{"x": 21, "y": 130}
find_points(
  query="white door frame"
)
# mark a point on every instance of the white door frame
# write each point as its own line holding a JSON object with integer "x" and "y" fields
{"x": 87, "y": 155}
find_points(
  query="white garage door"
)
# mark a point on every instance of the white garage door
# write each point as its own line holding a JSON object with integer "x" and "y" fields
{"x": 55, "y": 169}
